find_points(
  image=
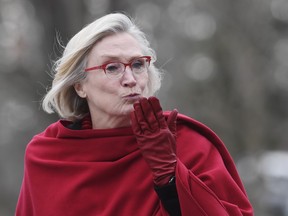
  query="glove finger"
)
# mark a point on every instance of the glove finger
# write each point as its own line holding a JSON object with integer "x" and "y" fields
{"x": 149, "y": 114}
{"x": 134, "y": 123}
{"x": 158, "y": 111}
{"x": 142, "y": 123}
{"x": 171, "y": 121}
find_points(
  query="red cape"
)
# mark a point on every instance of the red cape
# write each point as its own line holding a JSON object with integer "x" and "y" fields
{"x": 101, "y": 172}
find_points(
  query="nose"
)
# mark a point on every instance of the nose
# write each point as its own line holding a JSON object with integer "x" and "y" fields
{"x": 128, "y": 78}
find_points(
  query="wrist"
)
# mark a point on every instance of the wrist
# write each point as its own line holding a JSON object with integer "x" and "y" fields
{"x": 165, "y": 180}
{"x": 172, "y": 180}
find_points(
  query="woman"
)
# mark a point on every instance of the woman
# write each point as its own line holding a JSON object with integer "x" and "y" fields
{"x": 115, "y": 152}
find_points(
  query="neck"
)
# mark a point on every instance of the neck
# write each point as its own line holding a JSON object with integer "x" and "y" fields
{"x": 111, "y": 122}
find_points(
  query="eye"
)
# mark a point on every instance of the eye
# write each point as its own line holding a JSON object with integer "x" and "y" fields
{"x": 138, "y": 63}
{"x": 113, "y": 67}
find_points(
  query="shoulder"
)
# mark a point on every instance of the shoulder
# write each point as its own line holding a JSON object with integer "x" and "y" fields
{"x": 189, "y": 126}
{"x": 61, "y": 128}
{"x": 53, "y": 139}
{"x": 51, "y": 131}
{"x": 49, "y": 135}
{"x": 197, "y": 138}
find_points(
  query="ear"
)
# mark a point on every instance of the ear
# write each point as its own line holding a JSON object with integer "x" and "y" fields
{"x": 80, "y": 90}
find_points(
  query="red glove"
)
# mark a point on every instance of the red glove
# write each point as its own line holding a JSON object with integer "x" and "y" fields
{"x": 156, "y": 138}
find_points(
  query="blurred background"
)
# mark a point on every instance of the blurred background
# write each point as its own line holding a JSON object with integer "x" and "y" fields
{"x": 226, "y": 65}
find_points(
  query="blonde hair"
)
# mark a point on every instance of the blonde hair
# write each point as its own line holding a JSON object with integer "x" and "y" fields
{"x": 69, "y": 69}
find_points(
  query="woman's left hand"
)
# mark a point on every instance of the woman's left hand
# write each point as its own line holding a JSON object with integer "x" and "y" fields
{"x": 156, "y": 138}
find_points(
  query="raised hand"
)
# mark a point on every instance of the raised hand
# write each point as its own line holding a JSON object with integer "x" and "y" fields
{"x": 156, "y": 138}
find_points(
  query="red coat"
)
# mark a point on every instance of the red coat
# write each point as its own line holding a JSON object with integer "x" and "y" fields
{"x": 101, "y": 172}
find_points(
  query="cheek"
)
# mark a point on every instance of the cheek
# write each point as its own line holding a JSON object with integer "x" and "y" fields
{"x": 101, "y": 96}
{"x": 99, "y": 85}
{"x": 143, "y": 82}
{"x": 143, "y": 85}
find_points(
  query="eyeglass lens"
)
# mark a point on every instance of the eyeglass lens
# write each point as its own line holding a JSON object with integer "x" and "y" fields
{"x": 116, "y": 69}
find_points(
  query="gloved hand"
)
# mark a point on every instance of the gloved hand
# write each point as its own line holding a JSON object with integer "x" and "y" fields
{"x": 156, "y": 138}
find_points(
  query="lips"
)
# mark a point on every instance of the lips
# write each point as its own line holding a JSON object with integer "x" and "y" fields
{"x": 132, "y": 96}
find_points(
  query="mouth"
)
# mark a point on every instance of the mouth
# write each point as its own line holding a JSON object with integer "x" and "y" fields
{"x": 132, "y": 97}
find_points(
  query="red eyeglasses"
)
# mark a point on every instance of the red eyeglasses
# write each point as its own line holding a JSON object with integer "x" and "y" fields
{"x": 115, "y": 70}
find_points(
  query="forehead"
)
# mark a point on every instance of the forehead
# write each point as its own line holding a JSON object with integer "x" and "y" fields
{"x": 120, "y": 45}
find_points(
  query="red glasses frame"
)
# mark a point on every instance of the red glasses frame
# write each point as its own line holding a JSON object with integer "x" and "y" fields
{"x": 103, "y": 67}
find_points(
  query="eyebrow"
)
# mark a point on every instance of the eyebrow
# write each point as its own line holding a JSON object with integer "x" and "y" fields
{"x": 106, "y": 58}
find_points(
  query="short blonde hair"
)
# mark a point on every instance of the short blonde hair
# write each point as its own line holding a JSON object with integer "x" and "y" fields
{"x": 69, "y": 69}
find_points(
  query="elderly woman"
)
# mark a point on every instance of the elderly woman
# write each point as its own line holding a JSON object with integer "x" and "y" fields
{"x": 114, "y": 151}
